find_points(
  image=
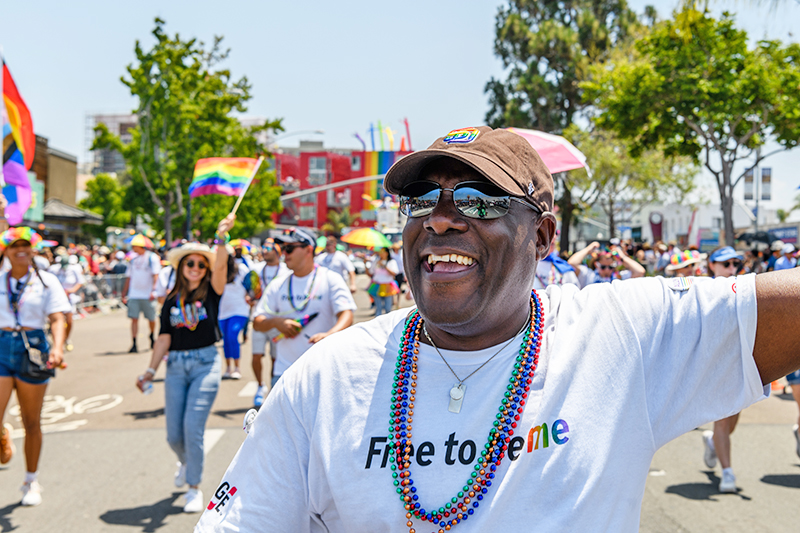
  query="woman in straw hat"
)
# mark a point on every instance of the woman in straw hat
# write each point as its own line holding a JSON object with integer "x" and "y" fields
{"x": 189, "y": 330}
{"x": 27, "y": 299}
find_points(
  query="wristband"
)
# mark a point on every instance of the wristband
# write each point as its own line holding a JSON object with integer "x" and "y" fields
{"x": 151, "y": 371}
{"x": 222, "y": 239}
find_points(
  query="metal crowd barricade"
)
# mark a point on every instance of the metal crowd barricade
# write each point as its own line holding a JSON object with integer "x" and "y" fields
{"x": 100, "y": 293}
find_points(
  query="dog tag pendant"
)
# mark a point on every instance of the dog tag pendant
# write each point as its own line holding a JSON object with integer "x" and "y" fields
{"x": 456, "y": 397}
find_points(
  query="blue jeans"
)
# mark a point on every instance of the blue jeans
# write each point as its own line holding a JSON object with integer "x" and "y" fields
{"x": 230, "y": 335}
{"x": 191, "y": 385}
{"x": 383, "y": 302}
{"x": 12, "y": 350}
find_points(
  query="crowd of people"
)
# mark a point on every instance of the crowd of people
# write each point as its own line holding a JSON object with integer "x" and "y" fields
{"x": 632, "y": 307}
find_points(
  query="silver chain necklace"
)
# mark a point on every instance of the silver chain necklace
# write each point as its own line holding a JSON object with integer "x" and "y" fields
{"x": 458, "y": 390}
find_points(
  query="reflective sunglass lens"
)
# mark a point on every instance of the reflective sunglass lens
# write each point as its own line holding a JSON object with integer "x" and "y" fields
{"x": 419, "y": 199}
{"x": 475, "y": 203}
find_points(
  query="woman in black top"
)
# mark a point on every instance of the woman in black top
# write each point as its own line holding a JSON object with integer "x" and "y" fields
{"x": 189, "y": 330}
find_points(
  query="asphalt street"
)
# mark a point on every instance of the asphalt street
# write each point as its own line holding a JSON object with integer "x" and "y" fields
{"x": 106, "y": 466}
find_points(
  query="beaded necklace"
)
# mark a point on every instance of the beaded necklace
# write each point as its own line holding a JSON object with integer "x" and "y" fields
{"x": 304, "y": 303}
{"x": 464, "y": 504}
{"x": 190, "y": 316}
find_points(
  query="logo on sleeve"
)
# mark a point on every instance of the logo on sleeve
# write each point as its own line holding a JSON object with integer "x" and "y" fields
{"x": 462, "y": 136}
{"x": 680, "y": 284}
{"x": 221, "y": 497}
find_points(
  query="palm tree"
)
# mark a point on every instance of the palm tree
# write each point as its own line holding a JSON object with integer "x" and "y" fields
{"x": 337, "y": 221}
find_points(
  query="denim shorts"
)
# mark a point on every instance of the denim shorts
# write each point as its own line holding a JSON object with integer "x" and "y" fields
{"x": 12, "y": 350}
{"x": 794, "y": 378}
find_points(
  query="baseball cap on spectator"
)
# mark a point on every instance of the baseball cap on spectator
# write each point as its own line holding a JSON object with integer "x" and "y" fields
{"x": 787, "y": 249}
{"x": 120, "y": 255}
{"x": 296, "y": 235}
{"x": 725, "y": 253}
{"x": 776, "y": 246}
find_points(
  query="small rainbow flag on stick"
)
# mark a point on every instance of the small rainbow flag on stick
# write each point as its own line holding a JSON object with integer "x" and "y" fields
{"x": 222, "y": 175}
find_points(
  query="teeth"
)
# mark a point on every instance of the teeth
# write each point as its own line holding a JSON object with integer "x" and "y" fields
{"x": 450, "y": 258}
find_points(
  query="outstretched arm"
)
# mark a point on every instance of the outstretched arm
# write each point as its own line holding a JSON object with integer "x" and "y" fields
{"x": 777, "y": 347}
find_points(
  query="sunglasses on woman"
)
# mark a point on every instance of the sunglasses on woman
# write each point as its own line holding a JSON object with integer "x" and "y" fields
{"x": 605, "y": 267}
{"x": 473, "y": 199}
{"x": 191, "y": 264}
{"x": 728, "y": 264}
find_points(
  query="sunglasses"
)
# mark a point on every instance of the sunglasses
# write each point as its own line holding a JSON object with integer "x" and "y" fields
{"x": 191, "y": 264}
{"x": 473, "y": 199}
{"x": 605, "y": 267}
{"x": 289, "y": 248}
{"x": 728, "y": 264}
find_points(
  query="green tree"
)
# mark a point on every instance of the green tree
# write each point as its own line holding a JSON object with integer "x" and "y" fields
{"x": 697, "y": 89}
{"x": 184, "y": 113}
{"x": 547, "y": 47}
{"x": 106, "y": 197}
{"x": 622, "y": 183}
{"x": 783, "y": 214}
{"x": 337, "y": 221}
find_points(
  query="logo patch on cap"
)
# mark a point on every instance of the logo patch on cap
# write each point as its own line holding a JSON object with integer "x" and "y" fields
{"x": 530, "y": 189}
{"x": 462, "y": 136}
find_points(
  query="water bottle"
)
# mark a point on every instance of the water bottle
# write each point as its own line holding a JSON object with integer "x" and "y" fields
{"x": 147, "y": 388}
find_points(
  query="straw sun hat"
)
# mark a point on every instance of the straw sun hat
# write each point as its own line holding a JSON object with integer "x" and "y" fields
{"x": 176, "y": 254}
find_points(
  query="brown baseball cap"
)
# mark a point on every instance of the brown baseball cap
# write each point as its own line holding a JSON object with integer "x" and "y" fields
{"x": 503, "y": 157}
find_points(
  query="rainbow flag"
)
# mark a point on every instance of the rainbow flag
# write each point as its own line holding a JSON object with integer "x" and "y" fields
{"x": 19, "y": 144}
{"x": 376, "y": 163}
{"x": 221, "y": 175}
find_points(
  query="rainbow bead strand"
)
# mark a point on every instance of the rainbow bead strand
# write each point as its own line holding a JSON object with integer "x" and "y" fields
{"x": 466, "y": 502}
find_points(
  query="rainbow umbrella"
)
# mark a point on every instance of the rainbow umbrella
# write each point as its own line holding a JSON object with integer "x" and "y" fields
{"x": 367, "y": 237}
{"x": 139, "y": 240}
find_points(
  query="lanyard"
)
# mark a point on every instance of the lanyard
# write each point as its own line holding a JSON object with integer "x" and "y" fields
{"x": 15, "y": 299}
{"x": 264, "y": 274}
{"x": 305, "y": 302}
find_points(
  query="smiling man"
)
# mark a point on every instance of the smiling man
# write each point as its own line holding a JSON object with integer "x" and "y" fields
{"x": 492, "y": 407}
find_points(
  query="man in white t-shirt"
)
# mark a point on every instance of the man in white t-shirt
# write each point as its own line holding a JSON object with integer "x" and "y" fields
{"x": 165, "y": 282}
{"x": 139, "y": 291}
{"x": 604, "y": 265}
{"x": 70, "y": 275}
{"x": 492, "y": 408}
{"x": 269, "y": 270}
{"x": 306, "y": 306}
{"x": 337, "y": 261}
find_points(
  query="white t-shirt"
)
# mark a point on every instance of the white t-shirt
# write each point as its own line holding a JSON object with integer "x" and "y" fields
{"x": 233, "y": 301}
{"x": 337, "y": 262}
{"x": 69, "y": 276}
{"x": 36, "y": 303}
{"x": 141, "y": 270}
{"x": 268, "y": 273}
{"x": 165, "y": 281}
{"x": 624, "y": 368}
{"x": 547, "y": 274}
{"x": 587, "y": 276}
{"x": 398, "y": 258}
{"x": 329, "y": 296}
{"x": 384, "y": 274}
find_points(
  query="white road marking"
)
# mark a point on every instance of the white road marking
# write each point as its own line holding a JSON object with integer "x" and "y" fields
{"x": 249, "y": 390}
{"x": 211, "y": 438}
{"x": 52, "y": 428}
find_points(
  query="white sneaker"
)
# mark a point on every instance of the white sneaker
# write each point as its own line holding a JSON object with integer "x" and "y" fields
{"x": 194, "y": 501}
{"x": 728, "y": 483}
{"x": 226, "y": 375}
{"x": 236, "y": 375}
{"x": 796, "y": 431}
{"x": 710, "y": 454}
{"x": 31, "y": 494}
{"x": 180, "y": 475}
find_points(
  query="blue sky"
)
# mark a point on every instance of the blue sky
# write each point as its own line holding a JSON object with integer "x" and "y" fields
{"x": 320, "y": 65}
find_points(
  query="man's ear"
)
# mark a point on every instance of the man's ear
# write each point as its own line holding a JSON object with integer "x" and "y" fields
{"x": 545, "y": 233}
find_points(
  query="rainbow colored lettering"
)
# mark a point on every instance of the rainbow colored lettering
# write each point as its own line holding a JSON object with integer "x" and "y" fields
{"x": 462, "y": 136}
